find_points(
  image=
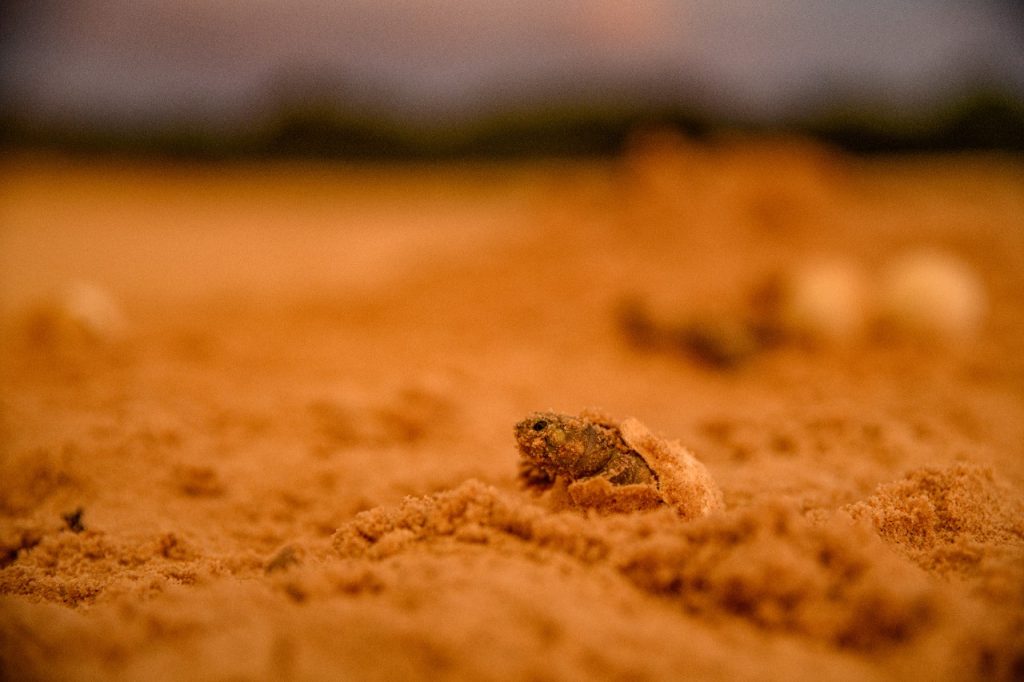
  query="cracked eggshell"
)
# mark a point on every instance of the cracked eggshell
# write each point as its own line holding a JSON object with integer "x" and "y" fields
{"x": 933, "y": 295}
{"x": 684, "y": 483}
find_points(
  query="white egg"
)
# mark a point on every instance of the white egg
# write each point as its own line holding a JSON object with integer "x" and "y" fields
{"x": 932, "y": 294}
{"x": 825, "y": 300}
{"x": 94, "y": 310}
{"x": 80, "y": 312}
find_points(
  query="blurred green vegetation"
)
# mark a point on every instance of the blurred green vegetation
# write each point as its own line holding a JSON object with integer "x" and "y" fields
{"x": 309, "y": 129}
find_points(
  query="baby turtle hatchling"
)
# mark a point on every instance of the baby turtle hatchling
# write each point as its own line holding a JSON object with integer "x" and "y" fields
{"x": 612, "y": 465}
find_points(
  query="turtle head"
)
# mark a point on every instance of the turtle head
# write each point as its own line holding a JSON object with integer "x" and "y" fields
{"x": 540, "y": 435}
{"x": 561, "y": 445}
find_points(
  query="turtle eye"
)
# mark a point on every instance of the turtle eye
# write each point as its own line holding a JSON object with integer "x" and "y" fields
{"x": 539, "y": 425}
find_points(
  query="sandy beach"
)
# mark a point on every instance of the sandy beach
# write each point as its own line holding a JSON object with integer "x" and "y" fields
{"x": 256, "y": 421}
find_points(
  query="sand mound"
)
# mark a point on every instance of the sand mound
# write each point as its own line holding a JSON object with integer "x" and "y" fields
{"x": 766, "y": 565}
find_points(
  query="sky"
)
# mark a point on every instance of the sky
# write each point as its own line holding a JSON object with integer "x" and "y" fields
{"x": 223, "y": 61}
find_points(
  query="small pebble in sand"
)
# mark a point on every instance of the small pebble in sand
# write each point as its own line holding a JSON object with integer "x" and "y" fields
{"x": 719, "y": 341}
{"x": 929, "y": 294}
{"x": 81, "y": 313}
{"x": 820, "y": 301}
{"x": 611, "y": 466}
{"x": 637, "y": 325}
{"x": 283, "y": 559}
{"x": 73, "y": 519}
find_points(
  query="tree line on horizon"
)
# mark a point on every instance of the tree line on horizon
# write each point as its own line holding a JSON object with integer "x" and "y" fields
{"x": 321, "y": 129}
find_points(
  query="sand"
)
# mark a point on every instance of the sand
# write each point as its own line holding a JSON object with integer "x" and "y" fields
{"x": 277, "y": 444}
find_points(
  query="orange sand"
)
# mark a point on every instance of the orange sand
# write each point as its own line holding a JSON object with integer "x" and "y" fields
{"x": 299, "y": 464}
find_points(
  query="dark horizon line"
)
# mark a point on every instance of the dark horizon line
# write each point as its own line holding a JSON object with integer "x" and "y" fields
{"x": 310, "y": 127}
